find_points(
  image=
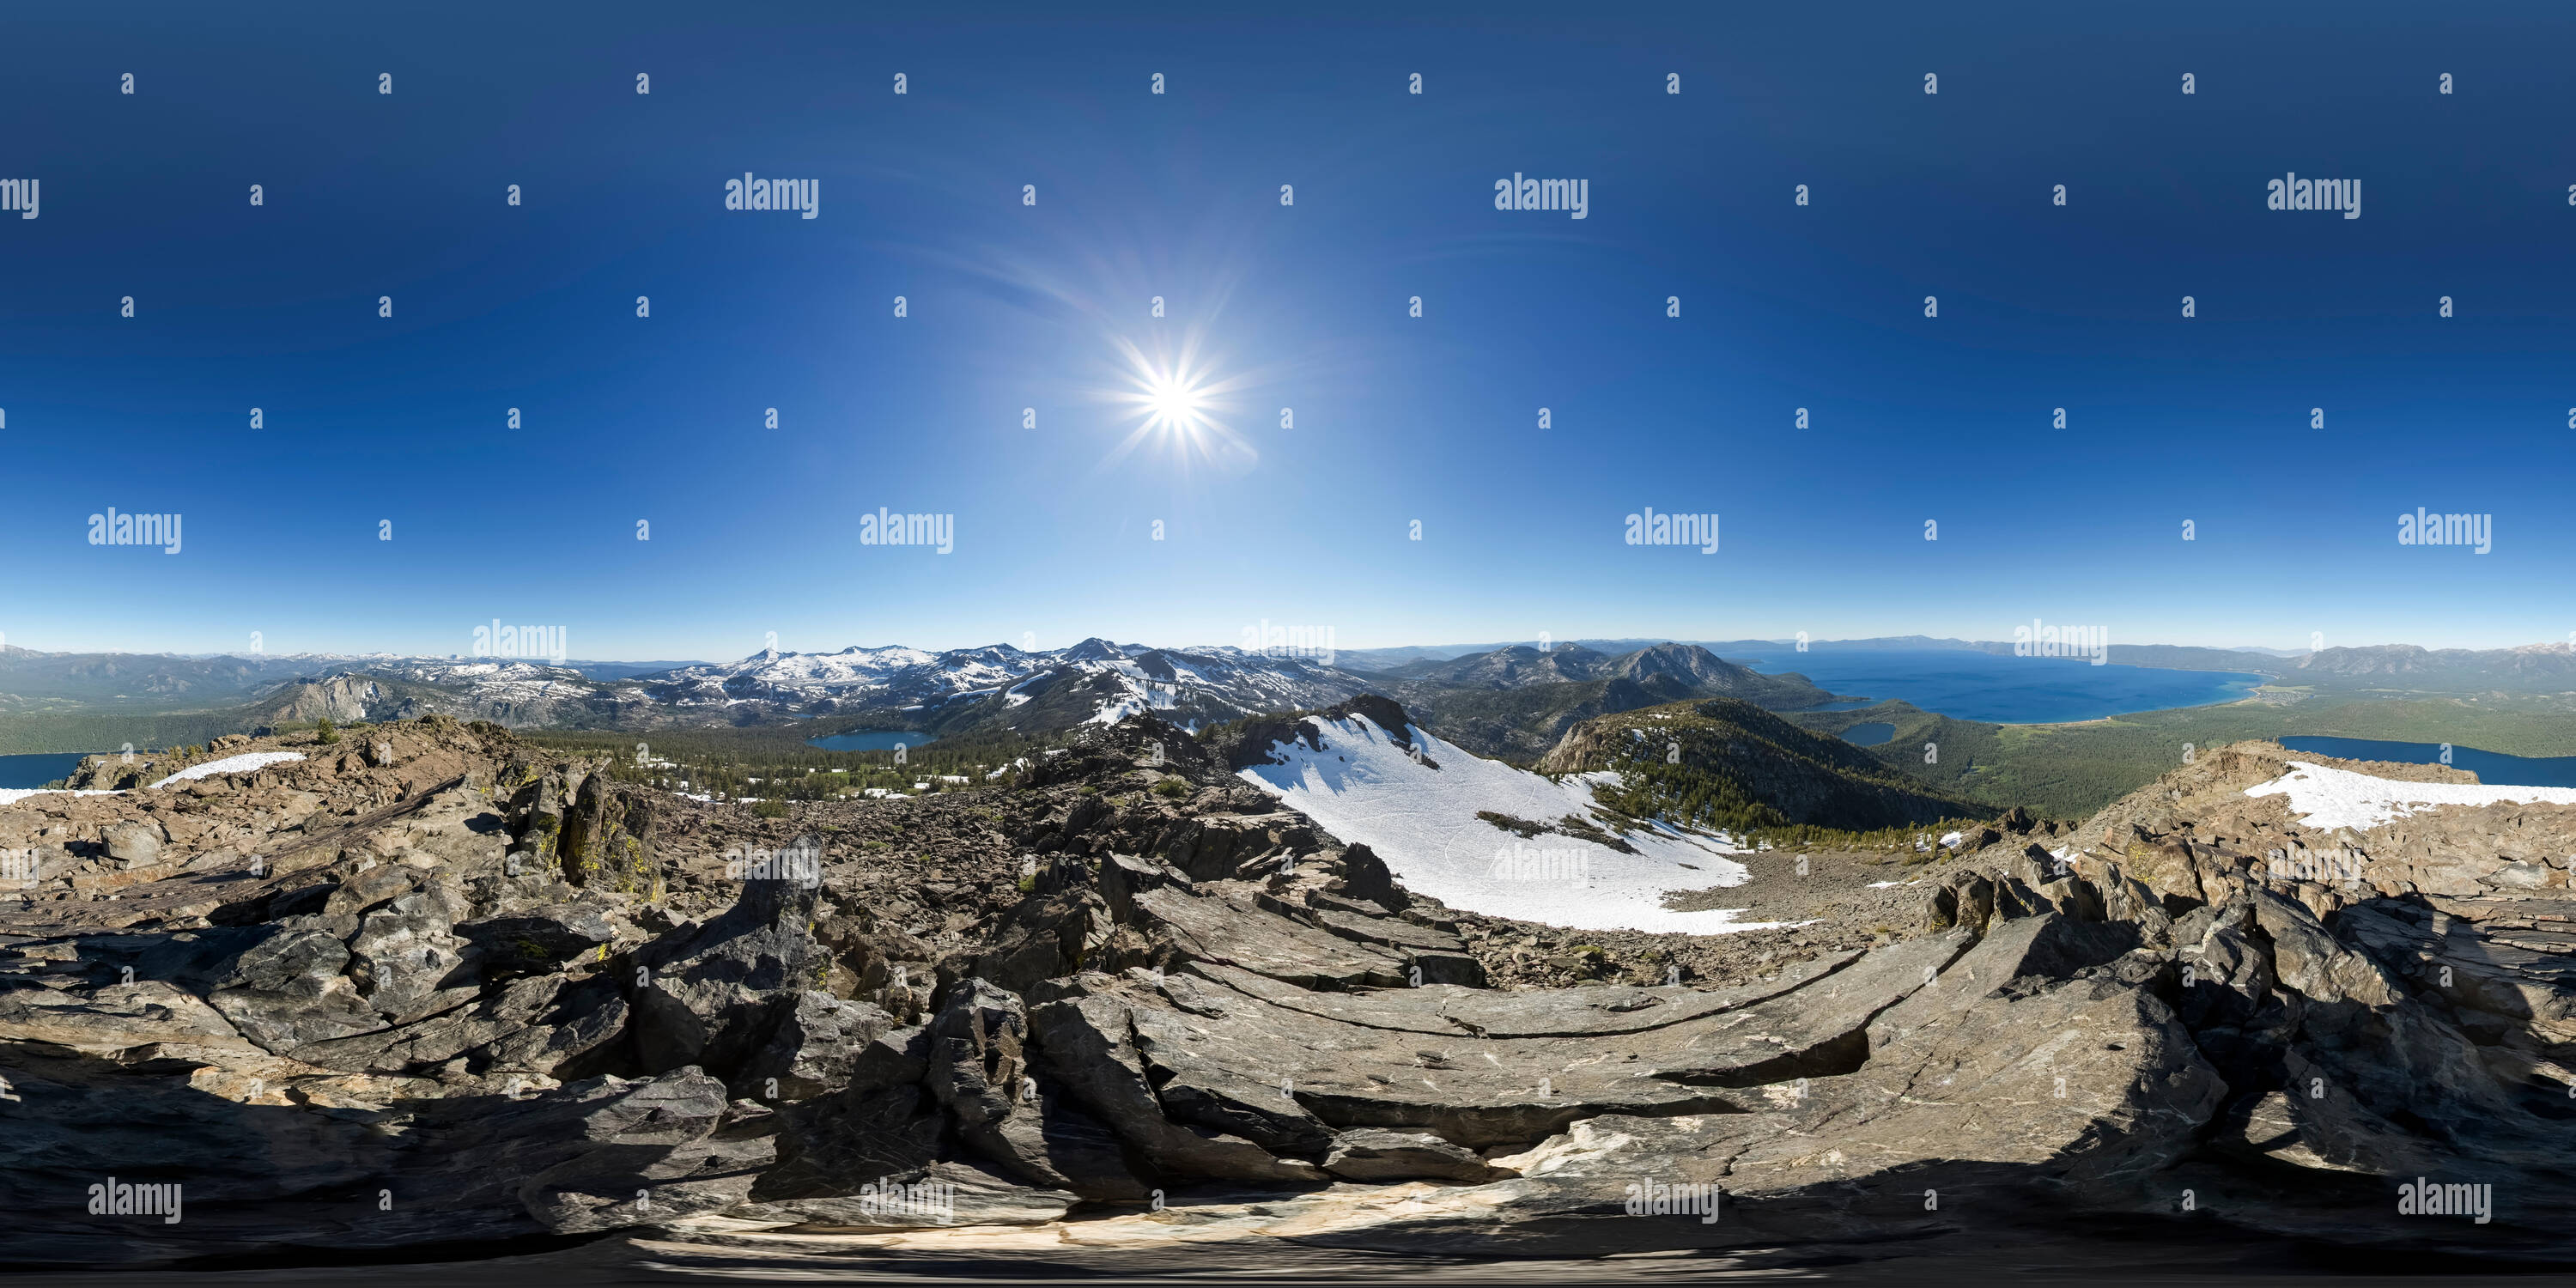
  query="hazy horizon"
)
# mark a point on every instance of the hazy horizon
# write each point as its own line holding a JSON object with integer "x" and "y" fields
{"x": 1043, "y": 645}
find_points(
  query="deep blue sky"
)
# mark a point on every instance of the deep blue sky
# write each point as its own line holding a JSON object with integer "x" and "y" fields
{"x": 755, "y": 531}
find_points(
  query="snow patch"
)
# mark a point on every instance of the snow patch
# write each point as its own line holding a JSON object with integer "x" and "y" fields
{"x": 1365, "y": 789}
{"x": 1113, "y": 710}
{"x": 2330, "y": 798}
{"x": 13, "y": 795}
{"x": 241, "y": 764}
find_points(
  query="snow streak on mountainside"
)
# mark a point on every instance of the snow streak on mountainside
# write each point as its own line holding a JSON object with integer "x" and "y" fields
{"x": 1421, "y": 817}
{"x": 501, "y": 679}
{"x": 987, "y": 689}
{"x": 1095, "y": 681}
{"x": 770, "y": 675}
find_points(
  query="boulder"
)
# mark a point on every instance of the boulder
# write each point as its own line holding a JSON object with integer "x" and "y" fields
{"x": 644, "y": 1153}
{"x": 536, "y": 940}
{"x": 702, "y": 995}
{"x": 534, "y": 1026}
{"x": 1375, "y": 1154}
{"x": 405, "y": 961}
{"x": 289, "y": 990}
{"x": 811, "y": 1048}
{"x": 607, "y": 839}
{"x": 1048, "y": 935}
{"x": 1222, "y": 922}
{"x": 1085, "y": 1042}
{"x": 135, "y": 845}
{"x": 883, "y": 1124}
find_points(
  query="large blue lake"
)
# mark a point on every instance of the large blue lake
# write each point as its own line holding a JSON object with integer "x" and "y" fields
{"x": 2002, "y": 688}
{"x": 36, "y": 771}
{"x": 2495, "y": 769}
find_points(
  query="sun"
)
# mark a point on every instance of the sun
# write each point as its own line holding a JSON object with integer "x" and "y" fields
{"x": 1172, "y": 401}
{"x": 1177, "y": 403}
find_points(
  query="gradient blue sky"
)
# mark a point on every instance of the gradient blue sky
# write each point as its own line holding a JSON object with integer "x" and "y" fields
{"x": 1175, "y": 195}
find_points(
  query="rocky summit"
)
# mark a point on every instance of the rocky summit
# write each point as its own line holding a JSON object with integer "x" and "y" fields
{"x": 423, "y": 990}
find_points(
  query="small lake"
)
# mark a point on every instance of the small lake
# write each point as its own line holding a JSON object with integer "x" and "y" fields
{"x": 872, "y": 740}
{"x": 1969, "y": 685}
{"x": 1870, "y": 734}
{"x": 36, "y": 771}
{"x": 2492, "y": 768}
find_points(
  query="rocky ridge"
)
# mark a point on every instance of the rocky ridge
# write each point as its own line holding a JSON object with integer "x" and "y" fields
{"x": 425, "y": 987}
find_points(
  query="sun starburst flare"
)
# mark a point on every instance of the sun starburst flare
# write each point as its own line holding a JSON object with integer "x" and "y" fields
{"x": 1177, "y": 405}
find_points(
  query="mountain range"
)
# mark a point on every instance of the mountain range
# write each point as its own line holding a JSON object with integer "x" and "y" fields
{"x": 994, "y": 688}
{"x": 1514, "y": 702}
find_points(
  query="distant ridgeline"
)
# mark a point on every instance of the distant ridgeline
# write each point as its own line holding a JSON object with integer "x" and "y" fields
{"x": 1723, "y": 763}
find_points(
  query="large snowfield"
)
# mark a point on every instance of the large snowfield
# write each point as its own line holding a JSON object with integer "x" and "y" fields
{"x": 2331, "y": 798}
{"x": 1366, "y": 789}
